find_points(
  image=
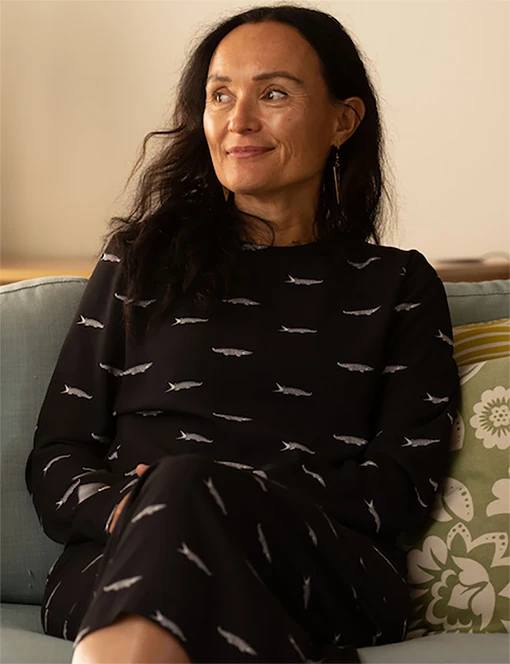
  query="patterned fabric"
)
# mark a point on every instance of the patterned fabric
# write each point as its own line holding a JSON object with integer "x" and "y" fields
{"x": 328, "y": 371}
{"x": 460, "y": 568}
{"x": 481, "y": 341}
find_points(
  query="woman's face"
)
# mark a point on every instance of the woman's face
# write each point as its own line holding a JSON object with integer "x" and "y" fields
{"x": 268, "y": 120}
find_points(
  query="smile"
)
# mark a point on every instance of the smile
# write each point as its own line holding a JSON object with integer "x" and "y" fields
{"x": 247, "y": 152}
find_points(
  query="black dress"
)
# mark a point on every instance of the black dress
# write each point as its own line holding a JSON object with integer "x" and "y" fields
{"x": 291, "y": 436}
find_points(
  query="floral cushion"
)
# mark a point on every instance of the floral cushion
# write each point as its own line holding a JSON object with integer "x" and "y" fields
{"x": 459, "y": 569}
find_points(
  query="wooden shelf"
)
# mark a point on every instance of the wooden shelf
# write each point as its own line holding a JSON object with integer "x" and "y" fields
{"x": 18, "y": 269}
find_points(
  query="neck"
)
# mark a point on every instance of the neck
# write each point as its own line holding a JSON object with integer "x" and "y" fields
{"x": 291, "y": 216}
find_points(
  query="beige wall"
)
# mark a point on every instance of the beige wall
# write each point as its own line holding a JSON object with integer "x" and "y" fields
{"x": 83, "y": 82}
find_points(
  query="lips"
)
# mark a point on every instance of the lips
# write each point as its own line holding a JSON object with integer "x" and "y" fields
{"x": 247, "y": 151}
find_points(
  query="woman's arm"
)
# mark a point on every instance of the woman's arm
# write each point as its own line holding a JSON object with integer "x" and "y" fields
{"x": 390, "y": 487}
{"x": 72, "y": 489}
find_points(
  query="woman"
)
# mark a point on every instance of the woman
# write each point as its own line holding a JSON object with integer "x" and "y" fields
{"x": 237, "y": 430}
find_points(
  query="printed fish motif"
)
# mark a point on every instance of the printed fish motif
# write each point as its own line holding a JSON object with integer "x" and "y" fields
{"x": 122, "y": 584}
{"x": 169, "y": 624}
{"x": 148, "y": 511}
{"x": 66, "y": 495}
{"x": 236, "y": 641}
{"x": 249, "y": 246}
{"x": 234, "y": 418}
{"x": 185, "y": 321}
{"x": 139, "y": 368}
{"x": 135, "y": 303}
{"x": 369, "y": 463}
{"x": 114, "y": 454}
{"x": 214, "y": 493}
{"x": 393, "y": 368}
{"x": 242, "y": 300}
{"x": 360, "y": 266}
{"x": 407, "y": 306}
{"x": 110, "y": 369}
{"x": 263, "y": 542}
{"x": 296, "y": 648}
{"x": 443, "y": 337}
{"x": 254, "y": 572}
{"x": 314, "y": 475}
{"x": 197, "y": 438}
{"x": 54, "y": 460}
{"x": 260, "y": 473}
{"x": 352, "y": 440}
{"x": 303, "y": 282}
{"x": 436, "y": 400}
{"x": 259, "y": 481}
{"x": 386, "y": 559}
{"x": 87, "y": 490}
{"x": 373, "y": 512}
{"x": 184, "y": 385}
{"x": 420, "y": 442}
{"x": 90, "y": 322}
{"x": 76, "y": 392}
{"x": 298, "y": 330}
{"x": 100, "y": 439}
{"x": 237, "y": 352}
{"x": 52, "y": 593}
{"x": 128, "y": 485}
{"x": 450, "y": 418}
{"x": 362, "y": 312}
{"x": 296, "y": 446}
{"x": 294, "y": 391}
{"x": 89, "y": 470}
{"x": 92, "y": 562}
{"x": 330, "y": 524}
{"x": 306, "y": 591}
{"x": 112, "y": 258}
{"x": 434, "y": 484}
{"x": 234, "y": 464}
{"x": 312, "y": 534}
{"x": 403, "y": 272}
{"x": 194, "y": 558}
{"x": 149, "y": 413}
{"x": 361, "y": 368}
{"x": 419, "y": 498}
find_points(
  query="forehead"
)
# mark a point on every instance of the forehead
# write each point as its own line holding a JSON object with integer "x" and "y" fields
{"x": 256, "y": 47}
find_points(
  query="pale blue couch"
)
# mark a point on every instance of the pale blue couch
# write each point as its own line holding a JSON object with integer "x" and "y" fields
{"x": 35, "y": 315}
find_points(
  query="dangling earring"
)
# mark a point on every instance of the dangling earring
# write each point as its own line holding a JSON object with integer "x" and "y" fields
{"x": 336, "y": 174}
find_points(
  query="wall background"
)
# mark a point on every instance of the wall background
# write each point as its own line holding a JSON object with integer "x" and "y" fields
{"x": 83, "y": 81}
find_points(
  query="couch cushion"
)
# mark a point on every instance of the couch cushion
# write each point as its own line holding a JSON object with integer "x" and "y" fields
{"x": 478, "y": 302}
{"x": 24, "y": 641}
{"x": 35, "y": 317}
{"x": 477, "y": 342}
{"x": 459, "y": 569}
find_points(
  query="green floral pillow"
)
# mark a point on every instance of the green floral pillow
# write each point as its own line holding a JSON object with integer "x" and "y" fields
{"x": 459, "y": 570}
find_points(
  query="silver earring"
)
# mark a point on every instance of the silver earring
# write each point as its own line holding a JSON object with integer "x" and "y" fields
{"x": 336, "y": 174}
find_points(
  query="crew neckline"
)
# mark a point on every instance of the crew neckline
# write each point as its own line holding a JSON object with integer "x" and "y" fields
{"x": 255, "y": 248}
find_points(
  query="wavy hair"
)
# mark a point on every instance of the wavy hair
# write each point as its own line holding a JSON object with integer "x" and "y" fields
{"x": 181, "y": 236}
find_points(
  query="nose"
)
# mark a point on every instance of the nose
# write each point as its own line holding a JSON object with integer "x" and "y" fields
{"x": 244, "y": 117}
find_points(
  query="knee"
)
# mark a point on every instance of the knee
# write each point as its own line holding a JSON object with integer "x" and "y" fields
{"x": 184, "y": 469}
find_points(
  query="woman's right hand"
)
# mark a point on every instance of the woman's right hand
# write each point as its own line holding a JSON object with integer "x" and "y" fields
{"x": 140, "y": 470}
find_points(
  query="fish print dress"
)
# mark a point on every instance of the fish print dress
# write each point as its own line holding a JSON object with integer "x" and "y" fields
{"x": 292, "y": 435}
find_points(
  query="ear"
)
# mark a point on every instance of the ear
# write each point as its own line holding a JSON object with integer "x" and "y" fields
{"x": 349, "y": 114}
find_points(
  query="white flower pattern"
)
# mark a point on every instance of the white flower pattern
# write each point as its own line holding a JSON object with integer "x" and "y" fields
{"x": 492, "y": 418}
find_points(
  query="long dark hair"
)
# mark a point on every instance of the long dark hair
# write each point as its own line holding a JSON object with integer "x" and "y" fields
{"x": 182, "y": 236}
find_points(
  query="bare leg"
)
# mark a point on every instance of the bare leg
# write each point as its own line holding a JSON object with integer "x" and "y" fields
{"x": 131, "y": 639}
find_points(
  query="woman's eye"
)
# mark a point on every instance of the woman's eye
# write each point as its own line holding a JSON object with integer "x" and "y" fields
{"x": 276, "y": 94}
{"x": 217, "y": 96}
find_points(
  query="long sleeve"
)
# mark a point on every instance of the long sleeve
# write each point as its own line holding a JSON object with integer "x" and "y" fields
{"x": 73, "y": 491}
{"x": 389, "y": 487}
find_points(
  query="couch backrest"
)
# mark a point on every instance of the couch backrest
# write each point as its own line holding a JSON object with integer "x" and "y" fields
{"x": 35, "y": 316}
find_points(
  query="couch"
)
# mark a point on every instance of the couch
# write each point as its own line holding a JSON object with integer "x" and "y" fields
{"x": 35, "y": 315}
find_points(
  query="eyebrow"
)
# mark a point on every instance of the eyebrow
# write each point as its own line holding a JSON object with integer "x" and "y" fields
{"x": 260, "y": 77}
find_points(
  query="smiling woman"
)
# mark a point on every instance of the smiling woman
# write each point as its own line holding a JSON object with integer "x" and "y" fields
{"x": 270, "y": 131}
{"x": 237, "y": 431}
